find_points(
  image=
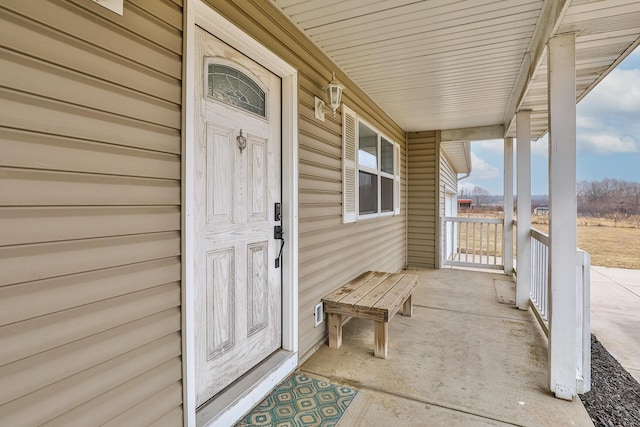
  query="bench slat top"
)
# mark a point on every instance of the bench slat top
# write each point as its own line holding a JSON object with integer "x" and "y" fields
{"x": 357, "y": 294}
{"x": 396, "y": 296}
{"x": 374, "y": 290}
{"x": 375, "y": 294}
{"x": 349, "y": 287}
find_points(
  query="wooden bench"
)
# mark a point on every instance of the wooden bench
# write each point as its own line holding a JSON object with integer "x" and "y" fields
{"x": 372, "y": 295}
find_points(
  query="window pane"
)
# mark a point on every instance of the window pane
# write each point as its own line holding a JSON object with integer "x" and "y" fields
{"x": 386, "y": 194}
{"x": 368, "y": 193}
{"x": 229, "y": 85}
{"x": 386, "y": 156}
{"x": 367, "y": 147}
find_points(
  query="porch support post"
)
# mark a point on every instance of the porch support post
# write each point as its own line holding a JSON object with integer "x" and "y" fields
{"x": 507, "y": 231}
{"x": 562, "y": 220}
{"x": 523, "y": 261}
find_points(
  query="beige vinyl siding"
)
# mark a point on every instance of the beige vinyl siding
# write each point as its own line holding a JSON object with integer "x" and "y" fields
{"x": 423, "y": 189}
{"x": 330, "y": 253}
{"x": 448, "y": 180}
{"x": 90, "y": 142}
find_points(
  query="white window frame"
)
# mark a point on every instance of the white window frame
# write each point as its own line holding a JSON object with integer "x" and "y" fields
{"x": 351, "y": 169}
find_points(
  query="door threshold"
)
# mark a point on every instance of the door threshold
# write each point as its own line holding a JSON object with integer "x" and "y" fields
{"x": 228, "y": 406}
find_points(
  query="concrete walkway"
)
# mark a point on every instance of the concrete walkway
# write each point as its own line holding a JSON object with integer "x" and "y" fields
{"x": 615, "y": 314}
{"x": 463, "y": 359}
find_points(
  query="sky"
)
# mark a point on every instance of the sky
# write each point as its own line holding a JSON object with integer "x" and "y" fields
{"x": 607, "y": 137}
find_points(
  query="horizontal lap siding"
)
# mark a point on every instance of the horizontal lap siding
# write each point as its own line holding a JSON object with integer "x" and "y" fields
{"x": 90, "y": 145}
{"x": 423, "y": 207}
{"x": 330, "y": 253}
{"x": 448, "y": 180}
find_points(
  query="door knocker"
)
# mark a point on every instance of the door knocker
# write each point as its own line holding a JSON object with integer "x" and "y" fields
{"x": 242, "y": 141}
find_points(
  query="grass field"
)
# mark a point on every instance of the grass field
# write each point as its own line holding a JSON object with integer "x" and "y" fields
{"x": 610, "y": 242}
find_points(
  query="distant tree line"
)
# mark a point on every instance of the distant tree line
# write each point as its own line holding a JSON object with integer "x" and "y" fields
{"x": 478, "y": 195}
{"x": 608, "y": 197}
{"x": 537, "y": 201}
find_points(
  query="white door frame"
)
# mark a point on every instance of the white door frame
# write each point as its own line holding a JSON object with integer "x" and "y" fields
{"x": 198, "y": 13}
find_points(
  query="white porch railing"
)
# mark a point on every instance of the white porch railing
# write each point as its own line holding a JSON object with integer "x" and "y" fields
{"x": 540, "y": 295}
{"x": 540, "y": 278}
{"x": 472, "y": 242}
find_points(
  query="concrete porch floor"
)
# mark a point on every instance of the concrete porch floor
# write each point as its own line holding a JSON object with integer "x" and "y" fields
{"x": 463, "y": 359}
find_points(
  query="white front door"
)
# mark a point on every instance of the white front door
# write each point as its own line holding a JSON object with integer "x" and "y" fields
{"x": 237, "y": 182}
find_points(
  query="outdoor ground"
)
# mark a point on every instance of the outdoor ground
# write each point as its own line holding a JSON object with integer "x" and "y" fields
{"x": 610, "y": 242}
{"x": 614, "y": 399}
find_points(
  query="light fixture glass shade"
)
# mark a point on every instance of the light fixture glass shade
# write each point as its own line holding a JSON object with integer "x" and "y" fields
{"x": 334, "y": 92}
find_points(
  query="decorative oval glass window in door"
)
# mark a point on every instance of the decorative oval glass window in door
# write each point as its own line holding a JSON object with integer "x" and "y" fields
{"x": 234, "y": 87}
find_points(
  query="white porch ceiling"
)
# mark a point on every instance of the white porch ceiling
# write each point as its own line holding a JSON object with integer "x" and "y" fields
{"x": 445, "y": 64}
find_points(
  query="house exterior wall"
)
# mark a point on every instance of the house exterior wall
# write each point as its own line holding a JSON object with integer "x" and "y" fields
{"x": 330, "y": 252}
{"x": 430, "y": 175}
{"x": 448, "y": 180}
{"x": 422, "y": 148}
{"x": 90, "y": 202}
{"x": 90, "y": 145}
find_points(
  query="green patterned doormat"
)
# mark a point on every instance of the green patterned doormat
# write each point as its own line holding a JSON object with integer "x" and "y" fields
{"x": 301, "y": 401}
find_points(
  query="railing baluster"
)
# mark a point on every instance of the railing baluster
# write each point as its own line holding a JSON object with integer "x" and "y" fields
{"x": 459, "y": 237}
{"x": 466, "y": 245}
{"x": 545, "y": 289}
{"x": 481, "y": 227}
{"x": 534, "y": 268}
{"x": 538, "y": 270}
{"x": 490, "y": 241}
{"x": 495, "y": 254}
{"x": 474, "y": 241}
{"x": 546, "y": 284}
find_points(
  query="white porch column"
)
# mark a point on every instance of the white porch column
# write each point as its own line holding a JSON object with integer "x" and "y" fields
{"x": 523, "y": 261}
{"x": 562, "y": 210}
{"x": 507, "y": 233}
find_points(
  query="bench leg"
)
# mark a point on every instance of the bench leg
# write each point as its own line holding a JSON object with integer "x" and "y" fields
{"x": 407, "y": 308}
{"x": 335, "y": 330}
{"x": 381, "y": 337}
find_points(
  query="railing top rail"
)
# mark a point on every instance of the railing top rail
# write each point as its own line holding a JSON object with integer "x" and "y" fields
{"x": 472, "y": 220}
{"x": 540, "y": 236}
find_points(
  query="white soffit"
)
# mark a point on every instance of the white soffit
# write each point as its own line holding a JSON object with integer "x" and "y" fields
{"x": 436, "y": 64}
{"x": 443, "y": 64}
{"x": 606, "y": 32}
{"x": 459, "y": 154}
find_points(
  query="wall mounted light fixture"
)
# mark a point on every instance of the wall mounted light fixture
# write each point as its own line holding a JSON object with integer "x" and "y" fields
{"x": 334, "y": 92}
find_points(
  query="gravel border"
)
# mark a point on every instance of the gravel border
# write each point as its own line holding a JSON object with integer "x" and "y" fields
{"x": 614, "y": 399}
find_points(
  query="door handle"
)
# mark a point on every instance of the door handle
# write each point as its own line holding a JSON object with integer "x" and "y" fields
{"x": 278, "y": 234}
